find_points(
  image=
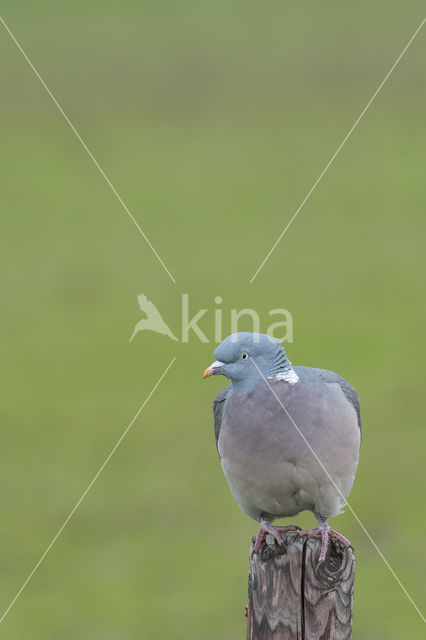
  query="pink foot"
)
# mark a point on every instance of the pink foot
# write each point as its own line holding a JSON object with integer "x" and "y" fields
{"x": 326, "y": 532}
{"x": 267, "y": 527}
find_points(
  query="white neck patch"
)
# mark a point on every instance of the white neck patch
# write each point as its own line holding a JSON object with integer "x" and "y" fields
{"x": 289, "y": 376}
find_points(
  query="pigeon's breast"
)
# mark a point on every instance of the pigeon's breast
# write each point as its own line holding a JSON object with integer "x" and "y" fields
{"x": 261, "y": 475}
{"x": 276, "y": 443}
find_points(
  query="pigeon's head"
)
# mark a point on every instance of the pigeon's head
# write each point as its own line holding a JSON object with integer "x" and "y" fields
{"x": 247, "y": 359}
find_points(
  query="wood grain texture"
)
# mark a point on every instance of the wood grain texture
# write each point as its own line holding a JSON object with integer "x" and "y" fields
{"x": 293, "y": 597}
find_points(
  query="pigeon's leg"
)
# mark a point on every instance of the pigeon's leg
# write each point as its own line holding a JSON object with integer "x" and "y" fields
{"x": 267, "y": 527}
{"x": 326, "y": 532}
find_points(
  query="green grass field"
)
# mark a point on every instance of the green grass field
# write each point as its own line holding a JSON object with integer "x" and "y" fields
{"x": 212, "y": 120}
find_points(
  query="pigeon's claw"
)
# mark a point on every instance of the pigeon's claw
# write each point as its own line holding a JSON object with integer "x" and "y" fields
{"x": 326, "y": 532}
{"x": 267, "y": 527}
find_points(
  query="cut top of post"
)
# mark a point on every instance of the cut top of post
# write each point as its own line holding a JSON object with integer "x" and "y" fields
{"x": 294, "y": 597}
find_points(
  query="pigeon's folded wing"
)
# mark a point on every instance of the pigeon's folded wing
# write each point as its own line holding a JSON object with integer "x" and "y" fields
{"x": 310, "y": 374}
{"x": 218, "y": 406}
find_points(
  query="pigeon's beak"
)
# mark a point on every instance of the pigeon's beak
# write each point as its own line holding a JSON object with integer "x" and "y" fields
{"x": 213, "y": 369}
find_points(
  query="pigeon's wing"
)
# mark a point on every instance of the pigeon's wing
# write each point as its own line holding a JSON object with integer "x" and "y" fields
{"x": 310, "y": 374}
{"x": 218, "y": 406}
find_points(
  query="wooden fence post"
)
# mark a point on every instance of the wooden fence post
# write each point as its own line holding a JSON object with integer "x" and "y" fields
{"x": 293, "y": 597}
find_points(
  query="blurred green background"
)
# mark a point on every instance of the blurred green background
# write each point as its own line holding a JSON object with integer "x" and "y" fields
{"x": 213, "y": 120}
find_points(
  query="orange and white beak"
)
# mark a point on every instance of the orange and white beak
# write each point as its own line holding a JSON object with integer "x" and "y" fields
{"x": 213, "y": 369}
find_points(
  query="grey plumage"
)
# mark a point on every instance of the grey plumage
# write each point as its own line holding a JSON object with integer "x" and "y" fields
{"x": 312, "y": 374}
{"x": 270, "y": 469}
{"x": 218, "y": 405}
{"x": 307, "y": 374}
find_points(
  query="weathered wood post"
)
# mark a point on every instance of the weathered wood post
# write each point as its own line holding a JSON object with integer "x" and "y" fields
{"x": 293, "y": 597}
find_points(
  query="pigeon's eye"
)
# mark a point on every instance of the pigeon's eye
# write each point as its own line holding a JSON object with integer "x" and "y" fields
{"x": 244, "y": 356}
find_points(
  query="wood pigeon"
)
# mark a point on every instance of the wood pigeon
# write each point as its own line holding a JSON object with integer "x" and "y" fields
{"x": 288, "y": 437}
